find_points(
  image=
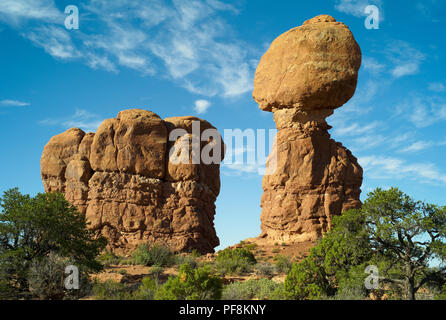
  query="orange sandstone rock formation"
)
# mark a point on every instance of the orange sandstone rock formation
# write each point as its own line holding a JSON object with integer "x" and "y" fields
{"x": 122, "y": 179}
{"x": 307, "y": 73}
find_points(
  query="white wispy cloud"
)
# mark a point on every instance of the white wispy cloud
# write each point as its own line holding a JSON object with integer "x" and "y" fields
{"x": 405, "y": 58}
{"x": 356, "y": 7}
{"x": 54, "y": 40}
{"x": 379, "y": 167}
{"x": 372, "y": 65}
{"x": 356, "y": 129}
{"x": 424, "y": 111}
{"x": 437, "y": 87}
{"x": 13, "y": 103}
{"x": 17, "y": 11}
{"x": 201, "y": 106}
{"x": 417, "y": 146}
{"x": 185, "y": 41}
{"x": 82, "y": 119}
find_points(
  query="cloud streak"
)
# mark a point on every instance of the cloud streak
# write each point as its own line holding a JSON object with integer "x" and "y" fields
{"x": 81, "y": 119}
{"x": 13, "y": 103}
{"x": 186, "y": 41}
{"x": 394, "y": 168}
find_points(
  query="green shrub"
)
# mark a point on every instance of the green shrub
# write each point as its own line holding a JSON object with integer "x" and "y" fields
{"x": 147, "y": 290}
{"x": 181, "y": 259}
{"x": 152, "y": 255}
{"x": 283, "y": 264}
{"x": 442, "y": 294}
{"x": 156, "y": 271}
{"x": 305, "y": 281}
{"x": 109, "y": 258}
{"x": 235, "y": 261}
{"x": 251, "y": 246}
{"x": 195, "y": 253}
{"x": 275, "y": 250}
{"x": 191, "y": 284}
{"x": 264, "y": 269}
{"x": 47, "y": 276}
{"x": 122, "y": 271}
{"x": 111, "y": 290}
{"x": 262, "y": 289}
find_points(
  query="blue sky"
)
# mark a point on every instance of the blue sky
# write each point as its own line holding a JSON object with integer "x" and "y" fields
{"x": 198, "y": 58}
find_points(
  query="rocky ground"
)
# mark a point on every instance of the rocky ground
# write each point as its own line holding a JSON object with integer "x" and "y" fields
{"x": 264, "y": 251}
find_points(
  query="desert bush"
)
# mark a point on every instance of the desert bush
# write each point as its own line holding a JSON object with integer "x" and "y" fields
{"x": 264, "y": 269}
{"x": 262, "y": 289}
{"x": 191, "y": 284}
{"x": 195, "y": 253}
{"x": 152, "y": 255}
{"x": 251, "y": 246}
{"x": 283, "y": 264}
{"x": 235, "y": 261}
{"x": 181, "y": 259}
{"x": 111, "y": 290}
{"x": 47, "y": 276}
{"x": 147, "y": 290}
{"x": 109, "y": 258}
{"x": 156, "y": 271}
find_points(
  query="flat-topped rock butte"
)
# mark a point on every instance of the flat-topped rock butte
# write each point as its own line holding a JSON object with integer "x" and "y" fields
{"x": 122, "y": 179}
{"x": 307, "y": 73}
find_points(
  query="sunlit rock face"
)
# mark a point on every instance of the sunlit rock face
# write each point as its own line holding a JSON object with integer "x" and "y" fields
{"x": 307, "y": 73}
{"x": 122, "y": 178}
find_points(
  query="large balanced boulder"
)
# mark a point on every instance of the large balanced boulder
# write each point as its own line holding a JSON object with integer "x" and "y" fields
{"x": 122, "y": 178}
{"x": 307, "y": 73}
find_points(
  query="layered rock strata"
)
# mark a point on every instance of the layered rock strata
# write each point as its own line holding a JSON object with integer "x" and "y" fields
{"x": 122, "y": 178}
{"x": 307, "y": 73}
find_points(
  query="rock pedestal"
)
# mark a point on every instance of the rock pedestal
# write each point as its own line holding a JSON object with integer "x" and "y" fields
{"x": 307, "y": 73}
{"x": 122, "y": 179}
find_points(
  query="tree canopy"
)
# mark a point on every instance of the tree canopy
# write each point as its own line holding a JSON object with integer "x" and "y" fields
{"x": 32, "y": 228}
{"x": 402, "y": 237}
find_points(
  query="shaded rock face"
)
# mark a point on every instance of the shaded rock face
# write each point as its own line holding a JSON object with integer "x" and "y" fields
{"x": 307, "y": 73}
{"x": 122, "y": 179}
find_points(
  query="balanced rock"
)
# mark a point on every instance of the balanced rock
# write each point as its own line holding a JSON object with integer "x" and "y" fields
{"x": 307, "y": 73}
{"x": 122, "y": 178}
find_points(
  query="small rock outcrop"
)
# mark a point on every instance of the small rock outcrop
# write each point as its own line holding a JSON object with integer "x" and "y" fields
{"x": 122, "y": 178}
{"x": 307, "y": 73}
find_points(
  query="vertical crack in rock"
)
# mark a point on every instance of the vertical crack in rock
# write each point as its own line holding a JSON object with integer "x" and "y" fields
{"x": 122, "y": 179}
{"x": 307, "y": 73}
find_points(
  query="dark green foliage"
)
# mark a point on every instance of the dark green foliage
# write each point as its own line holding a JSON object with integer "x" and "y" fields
{"x": 344, "y": 246}
{"x": 153, "y": 255}
{"x": 262, "y": 289}
{"x": 442, "y": 294}
{"x": 182, "y": 259}
{"x": 110, "y": 290}
{"x": 46, "y": 279}
{"x": 191, "y": 284}
{"x": 147, "y": 290}
{"x": 32, "y": 228}
{"x": 399, "y": 235}
{"x": 265, "y": 269}
{"x": 109, "y": 258}
{"x": 235, "y": 261}
{"x": 283, "y": 264}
